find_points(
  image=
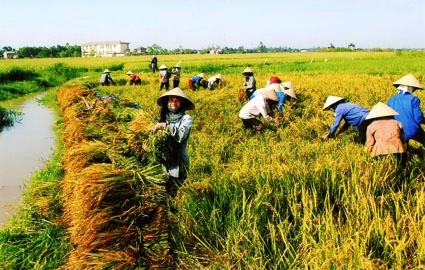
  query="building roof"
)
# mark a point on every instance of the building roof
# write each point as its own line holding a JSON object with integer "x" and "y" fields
{"x": 104, "y": 42}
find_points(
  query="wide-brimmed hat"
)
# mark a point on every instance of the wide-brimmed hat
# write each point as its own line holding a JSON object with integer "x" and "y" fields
{"x": 178, "y": 93}
{"x": 247, "y": 70}
{"x": 218, "y": 76}
{"x": 408, "y": 80}
{"x": 287, "y": 84}
{"x": 290, "y": 92}
{"x": 177, "y": 66}
{"x": 129, "y": 72}
{"x": 163, "y": 67}
{"x": 331, "y": 100}
{"x": 381, "y": 110}
{"x": 270, "y": 93}
{"x": 106, "y": 71}
{"x": 202, "y": 75}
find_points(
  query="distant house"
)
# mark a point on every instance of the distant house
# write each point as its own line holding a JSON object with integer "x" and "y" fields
{"x": 9, "y": 54}
{"x": 105, "y": 48}
{"x": 139, "y": 50}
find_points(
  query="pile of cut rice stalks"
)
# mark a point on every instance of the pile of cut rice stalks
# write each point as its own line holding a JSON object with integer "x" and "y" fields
{"x": 114, "y": 203}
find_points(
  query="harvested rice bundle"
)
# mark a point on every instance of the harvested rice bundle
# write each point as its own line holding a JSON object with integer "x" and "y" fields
{"x": 139, "y": 134}
{"x": 242, "y": 95}
{"x": 163, "y": 148}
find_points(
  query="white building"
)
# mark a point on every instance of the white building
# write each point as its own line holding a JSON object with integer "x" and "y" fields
{"x": 105, "y": 48}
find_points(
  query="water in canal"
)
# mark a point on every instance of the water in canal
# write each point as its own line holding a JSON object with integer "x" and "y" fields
{"x": 24, "y": 148}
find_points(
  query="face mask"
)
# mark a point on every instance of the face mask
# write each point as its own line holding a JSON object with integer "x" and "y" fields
{"x": 405, "y": 89}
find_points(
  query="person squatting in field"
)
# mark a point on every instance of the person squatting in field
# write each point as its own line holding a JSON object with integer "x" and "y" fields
{"x": 214, "y": 82}
{"x": 385, "y": 135}
{"x": 353, "y": 115}
{"x": 164, "y": 77}
{"x": 173, "y": 118}
{"x": 249, "y": 84}
{"x": 105, "y": 78}
{"x": 134, "y": 78}
{"x": 176, "y": 71}
{"x": 260, "y": 104}
{"x": 285, "y": 92}
{"x": 408, "y": 107}
{"x": 196, "y": 81}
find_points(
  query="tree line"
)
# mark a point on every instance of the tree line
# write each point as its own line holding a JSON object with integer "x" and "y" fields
{"x": 58, "y": 51}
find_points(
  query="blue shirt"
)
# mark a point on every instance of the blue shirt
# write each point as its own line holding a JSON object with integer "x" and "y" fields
{"x": 352, "y": 114}
{"x": 410, "y": 114}
{"x": 196, "y": 79}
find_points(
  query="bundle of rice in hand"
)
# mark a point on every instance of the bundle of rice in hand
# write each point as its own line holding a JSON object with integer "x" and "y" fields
{"x": 139, "y": 133}
{"x": 163, "y": 148}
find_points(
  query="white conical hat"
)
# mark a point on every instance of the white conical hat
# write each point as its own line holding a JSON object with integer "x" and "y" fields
{"x": 218, "y": 76}
{"x": 202, "y": 75}
{"x": 270, "y": 93}
{"x": 287, "y": 85}
{"x": 129, "y": 72}
{"x": 274, "y": 86}
{"x": 290, "y": 92}
{"x": 175, "y": 92}
{"x": 408, "y": 80}
{"x": 331, "y": 100}
{"x": 381, "y": 110}
{"x": 163, "y": 67}
{"x": 247, "y": 70}
{"x": 106, "y": 71}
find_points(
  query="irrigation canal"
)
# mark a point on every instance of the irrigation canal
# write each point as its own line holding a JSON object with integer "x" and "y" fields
{"x": 24, "y": 148}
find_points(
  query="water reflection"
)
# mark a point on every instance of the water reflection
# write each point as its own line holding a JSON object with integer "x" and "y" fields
{"x": 24, "y": 148}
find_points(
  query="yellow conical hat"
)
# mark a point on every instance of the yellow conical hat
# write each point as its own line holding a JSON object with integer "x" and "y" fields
{"x": 175, "y": 92}
{"x": 408, "y": 80}
{"x": 381, "y": 110}
{"x": 274, "y": 86}
{"x": 331, "y": 100}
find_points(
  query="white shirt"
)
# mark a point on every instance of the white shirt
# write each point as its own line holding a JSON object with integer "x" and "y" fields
{"x": 254, "y": 107}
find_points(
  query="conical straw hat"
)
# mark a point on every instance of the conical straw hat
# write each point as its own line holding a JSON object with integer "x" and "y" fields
{"x": 270, "y": 94}
{"x": 381, "y": 110}
{"x": 408, "y": 80}
{"x": 163, "y": 67}
{"x": 247, "y": 70}
{"x": 202, "y": 75}
{"x": 275, "y": 87}
{"x": 290, "y": 92}
{"x": 129, "y": 72}
{"x": 331, "y": 100}
{"x": 175, "y": 92}
{"x": 287, "y": 85}
{"x": 106, "y": 71}
{"x": 218, "y": 76}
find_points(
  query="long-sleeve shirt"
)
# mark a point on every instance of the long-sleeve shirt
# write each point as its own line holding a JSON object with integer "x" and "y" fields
{"x": 410, "y": 114}
{"x": 385, "y": 136}
{"x": 352, "y": 114}
{"x": 280, "y": 95}
{"x": 180, "y": 131}
{"x": 254, "y": 107}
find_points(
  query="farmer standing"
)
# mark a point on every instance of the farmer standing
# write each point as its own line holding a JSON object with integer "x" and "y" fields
{"x": 249, "y": 84}
{"x": 408, "y": 107}
{"x": 173, "y": 118}
{"x": 176, "y": 75}
{"x": 154, "y": 64}
{"x": 353, "y": 115}
{"x": 164, "y": 77}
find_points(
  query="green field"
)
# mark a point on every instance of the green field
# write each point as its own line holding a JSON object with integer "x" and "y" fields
{"x": 282, "y": 199}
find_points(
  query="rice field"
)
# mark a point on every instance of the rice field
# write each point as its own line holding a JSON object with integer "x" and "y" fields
{"x": 282, "y": 199}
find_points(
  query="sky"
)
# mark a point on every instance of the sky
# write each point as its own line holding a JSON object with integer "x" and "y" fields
{"x": 199, "y": 24}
